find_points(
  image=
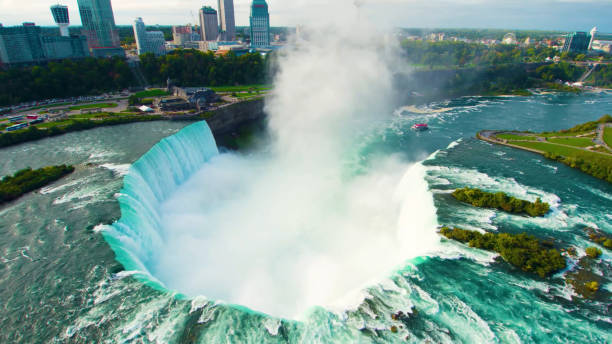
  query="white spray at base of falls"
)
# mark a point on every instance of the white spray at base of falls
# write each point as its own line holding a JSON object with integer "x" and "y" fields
{"x": 303, "y": 225}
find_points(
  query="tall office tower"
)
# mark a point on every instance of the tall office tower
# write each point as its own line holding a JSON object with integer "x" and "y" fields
{"x": 140, "y": 35}
{"x": 99, "y": 27}
{"x": 62, "y": 19}
{"x": 227, "y": 20}
{"x": 182, "y": 34}
{"x": 260, "y": 24}
{"x": 21, "y": 44}
{"x": 209, "y": 26}
{"x": 148, "y": 41}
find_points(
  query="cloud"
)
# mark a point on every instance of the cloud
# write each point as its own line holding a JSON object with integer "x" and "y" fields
{"x": 538, "y": 14}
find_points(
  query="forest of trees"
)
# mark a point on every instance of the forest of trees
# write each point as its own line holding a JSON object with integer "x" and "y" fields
{"x": 521, "y": 250}
{"x": 68, "y": 78}
{"x": 196, "y": 68}
{"x": 90, "y": 76}
{"x": 501, "y": 201}
{"x": 24, "y": 181}
{"x": 602, "y": 76}
{"x": 461, "y": 54}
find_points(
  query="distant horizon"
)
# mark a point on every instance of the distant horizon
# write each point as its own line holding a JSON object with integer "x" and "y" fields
{"x": 548, "y": 15}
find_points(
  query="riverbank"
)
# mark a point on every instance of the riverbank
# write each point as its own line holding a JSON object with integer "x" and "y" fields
{"x": 221, "y": 121}
{"x": 584, "y": 146}
{"x": 28, "y": 180}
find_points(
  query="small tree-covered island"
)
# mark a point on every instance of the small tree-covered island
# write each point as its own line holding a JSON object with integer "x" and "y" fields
{"x": 521, "y": 250}
{"x": 501, "y": 201}
{"x": 27, "y": 180}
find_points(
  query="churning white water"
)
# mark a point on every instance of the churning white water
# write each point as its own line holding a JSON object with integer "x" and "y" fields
{"x": 309, "y": 220}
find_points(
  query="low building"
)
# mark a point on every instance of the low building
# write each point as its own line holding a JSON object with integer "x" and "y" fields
{"x": 198, "y": 97}
{"x": 173, "y": 104}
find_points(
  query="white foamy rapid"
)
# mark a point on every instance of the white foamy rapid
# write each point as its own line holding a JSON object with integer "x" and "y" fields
{"x": 302, "y": 225}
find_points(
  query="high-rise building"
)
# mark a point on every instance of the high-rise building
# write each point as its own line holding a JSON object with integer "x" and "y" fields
{"x": 148, "y": 41}
{"x": 209, "y": 26}
{"x": 61, "y": 47}
{"x": 99, "y": 27}
{"x": 62, "y": 18}
{"x": 182, "y": 34}
{"x": 577, "y": 42}
{"x": 260, "y": 24}
{"x": 227, "y": 20}
{"x": 21, "y": 44}
{"x": 25, "y": 45}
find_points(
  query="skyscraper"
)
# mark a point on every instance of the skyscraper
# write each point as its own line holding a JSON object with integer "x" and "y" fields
{"x": 21, "y": 44}
{"x": 182, "y": 34}
{"x": 62, "y": 18}
{"x": 209, "y": 25}
{"x": 99, "y": 27}
{"x": 148, "y": 41}
{"x": 227, "y": 21}
{"x": 260, "y": 24}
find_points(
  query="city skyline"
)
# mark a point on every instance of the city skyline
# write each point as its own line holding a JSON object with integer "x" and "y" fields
{"x": 563, "y": 15}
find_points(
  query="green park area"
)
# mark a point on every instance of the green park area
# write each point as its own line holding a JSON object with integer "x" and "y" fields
{"x": 238, "y": 89}
{"x": 608, "y": 136}
{"x": 152, "y": 93}
{"x": 93, "y": 106}
{"x": 575, "y": 147}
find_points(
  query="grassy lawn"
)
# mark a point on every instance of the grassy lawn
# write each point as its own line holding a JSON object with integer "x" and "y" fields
{"x": 516, "y": 137}
{"x": 50, "y": 106}
{"x": 559, "y": 134}
{"x": 48, "y": 125}
{"x": 152, "y": 94}
{"x": 573, "y": 141}
{"x": 93, "y": 106}
{"x": 608, "y": 136}
{"x": 244, "y": 88}
{"x": 559, "y": 150}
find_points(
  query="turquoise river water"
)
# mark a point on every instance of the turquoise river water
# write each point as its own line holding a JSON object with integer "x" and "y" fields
{"x": 61, "y": 280}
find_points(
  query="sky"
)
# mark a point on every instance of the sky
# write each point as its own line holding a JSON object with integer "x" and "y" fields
{"x": 564, "y": 15}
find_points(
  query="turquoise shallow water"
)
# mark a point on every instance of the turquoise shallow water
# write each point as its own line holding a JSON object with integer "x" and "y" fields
{"x": 61, "y": 283}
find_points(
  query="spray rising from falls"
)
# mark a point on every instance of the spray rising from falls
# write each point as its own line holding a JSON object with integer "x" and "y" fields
{"x": 309, "y": 221}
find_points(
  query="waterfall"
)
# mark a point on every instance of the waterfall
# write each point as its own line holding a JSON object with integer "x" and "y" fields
{"x": 137, "y": 236}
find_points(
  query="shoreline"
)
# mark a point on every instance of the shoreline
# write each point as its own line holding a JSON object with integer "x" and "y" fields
{"x": 222, "y": 120}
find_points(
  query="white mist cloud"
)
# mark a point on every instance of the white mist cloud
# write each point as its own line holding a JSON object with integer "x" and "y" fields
{"x": 304, "y": 223}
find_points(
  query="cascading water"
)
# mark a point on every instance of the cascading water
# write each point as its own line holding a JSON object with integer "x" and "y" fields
{"x": 137, "y": 236}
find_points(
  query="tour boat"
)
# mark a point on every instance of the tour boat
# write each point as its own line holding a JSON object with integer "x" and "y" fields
{"x": 420, "y": 127}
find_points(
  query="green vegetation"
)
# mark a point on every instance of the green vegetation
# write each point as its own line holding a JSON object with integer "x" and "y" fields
{"x": 608, "y": 136}
{"x": 24, "y": 181}
{"x": 246, "y": 88}
{"x": 67, "y": 78}
{"x": 151, "y": 93}
{"x": 195, "y": 68}
{"x": 461, "y": 54}
{"x": 560, "y": 71}
{"x": 501, "y": 201}
{"x": 93, "y": 106}
{"x": 593, "y": 285}
{"x": 601, "y": 76}
{"x": 573, "y": 141}
{"x": 521, "y": 250}
{"x": 593, "y": 252}
{"x": 516, "y": 137}
{"x": 596, "y": 163}
{"x": 63, "y": 127}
